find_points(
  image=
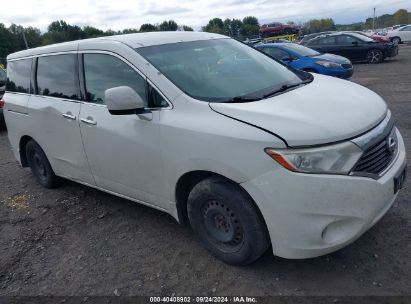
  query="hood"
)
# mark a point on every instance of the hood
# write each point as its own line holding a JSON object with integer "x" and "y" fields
{"x": 324, "y": 111}
{"x": 333, "y": 58}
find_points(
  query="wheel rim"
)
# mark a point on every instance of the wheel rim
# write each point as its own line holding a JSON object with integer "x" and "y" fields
{"x": 374, "y": 56}
{"x": 396, "y": 41}
{"x": 222, "y": 226}
{"x": 38, "y": 166}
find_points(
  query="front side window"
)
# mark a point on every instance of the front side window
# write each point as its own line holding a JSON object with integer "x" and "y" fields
{"x": 219, "y": 70}
{"x": 57, "y": 76}
{"x": 407, "y": 28}
{"x": 103, "y": 72}
{"x": 18, "y": 76}
{"x": 347, "y": 40}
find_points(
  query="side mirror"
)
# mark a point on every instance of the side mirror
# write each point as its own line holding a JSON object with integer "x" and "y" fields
{"x": 123, "y": 101}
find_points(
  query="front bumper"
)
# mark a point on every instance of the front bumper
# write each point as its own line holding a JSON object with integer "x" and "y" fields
{"x": 392, "y": 51}
{"x": 336, "y": 72}
{"x": 309, "y": 215}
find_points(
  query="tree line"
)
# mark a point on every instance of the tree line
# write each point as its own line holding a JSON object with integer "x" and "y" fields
{"x": 14, "y": 37}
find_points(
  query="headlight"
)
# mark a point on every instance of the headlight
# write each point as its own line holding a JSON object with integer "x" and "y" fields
{"x": 328, "y": 64}
{"x": 335, "y": 159}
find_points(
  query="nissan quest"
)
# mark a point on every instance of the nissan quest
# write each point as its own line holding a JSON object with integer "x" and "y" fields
{"x": 253, "y": 154}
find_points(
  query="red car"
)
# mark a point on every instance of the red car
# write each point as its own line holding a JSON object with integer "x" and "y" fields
{"x": 277, "y": 28}
{"x": 375, "y": 37}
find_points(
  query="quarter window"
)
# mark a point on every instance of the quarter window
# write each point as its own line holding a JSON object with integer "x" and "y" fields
{"x": 18, "y": 76}
{"x": 57, "y": 76}
{"x": 103, "y": 72}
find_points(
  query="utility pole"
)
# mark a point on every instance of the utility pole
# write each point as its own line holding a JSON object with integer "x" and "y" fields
{"x": 25, "y": 40}
{"x": 373, "y": 21}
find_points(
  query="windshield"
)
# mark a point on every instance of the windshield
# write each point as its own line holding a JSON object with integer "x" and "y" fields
{"x": 219, "y": 70}
{"x": 301, "y": 50}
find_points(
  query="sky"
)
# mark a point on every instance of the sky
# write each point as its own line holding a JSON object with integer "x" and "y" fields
{"x": 121, "y": 14}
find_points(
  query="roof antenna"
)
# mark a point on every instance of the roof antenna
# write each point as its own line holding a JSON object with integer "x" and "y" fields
{"x": 25, "y": 40}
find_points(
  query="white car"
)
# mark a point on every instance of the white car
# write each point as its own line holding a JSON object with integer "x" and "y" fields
{"x": 250, "y": 152}
{"x": 401, "y": 34}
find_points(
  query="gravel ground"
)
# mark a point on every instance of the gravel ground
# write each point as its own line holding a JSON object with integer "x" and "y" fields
{"x": 75, "y": 240}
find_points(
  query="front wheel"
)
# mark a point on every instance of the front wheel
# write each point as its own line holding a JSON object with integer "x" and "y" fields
{"x": 40, "y": 166}
{"x": 396, "y": 40}
{"x": 227, "y": 221}
{"x": 375, "y": 56}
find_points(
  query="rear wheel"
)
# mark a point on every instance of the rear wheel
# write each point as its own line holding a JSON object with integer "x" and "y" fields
{"x": 40, "y": 166}
{"x": 227, "y": 222}
{"x": 375, "y": 56}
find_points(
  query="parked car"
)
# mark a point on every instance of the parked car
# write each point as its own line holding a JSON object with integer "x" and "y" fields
{"x": 379, "y": 38}
{"x": 394, "y": 27}
{"x": 253, "y": 154}
{"x": 354, "y": 47}
{"x": 401, "y": 34}
{"x": 308, "y": 37}
{"x": 3, "y": 78}
{"x": 277, "y": 29}
{"x": 306, "y": 59}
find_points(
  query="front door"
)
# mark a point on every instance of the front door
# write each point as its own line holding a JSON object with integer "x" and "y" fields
{"x": 123, "y": 151}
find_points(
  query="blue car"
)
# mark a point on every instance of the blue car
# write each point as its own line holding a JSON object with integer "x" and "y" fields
{"x": 306, "y": 59}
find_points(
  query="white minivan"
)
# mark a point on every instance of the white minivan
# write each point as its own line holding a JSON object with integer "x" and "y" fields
{"x": 253, "y": 154}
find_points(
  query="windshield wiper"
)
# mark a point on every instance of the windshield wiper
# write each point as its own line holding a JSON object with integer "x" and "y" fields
{"x": 239, "y": 99}
{"x": 286, "y": 87}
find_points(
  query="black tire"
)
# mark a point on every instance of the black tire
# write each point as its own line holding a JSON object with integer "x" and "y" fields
{"x": 227, "y": 221}
{"x": 40, "y": 165}
{"x": 374, "y": 56}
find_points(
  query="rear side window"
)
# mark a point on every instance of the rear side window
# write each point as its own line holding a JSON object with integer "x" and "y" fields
{"x": 57, "y": 76}
{"x": 102, "y": 72}
{"x": 327, "y": 40}
{"x": 18, "y": 76}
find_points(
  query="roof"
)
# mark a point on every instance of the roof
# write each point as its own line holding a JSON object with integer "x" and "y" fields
{"x": 135, "y": 40}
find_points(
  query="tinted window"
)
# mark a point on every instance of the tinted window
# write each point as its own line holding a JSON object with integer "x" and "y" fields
{"x": 327, "y": 41}
{"x": 104, "y": 72}
{"x": 407, "y": 28}
{"x": 18, "y": 76}
{"x": 57, "y": 76}
{"x": 345, "y": 39}
{"x": 3, "y": 77}
{"x": 301, "y": 50}
{"x": 276, "y": 53}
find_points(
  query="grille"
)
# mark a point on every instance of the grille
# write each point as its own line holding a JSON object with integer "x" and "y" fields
{"x": 347, "y": 66}
{"x": 377, "y": 158}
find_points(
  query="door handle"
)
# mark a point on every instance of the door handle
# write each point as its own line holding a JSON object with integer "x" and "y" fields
{"x": 89, "y": 121}
{"x": 69, "y": 116}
